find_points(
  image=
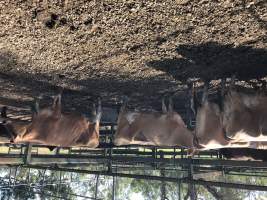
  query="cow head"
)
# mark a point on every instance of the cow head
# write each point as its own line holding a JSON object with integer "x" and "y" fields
{"x": 209, "y": 131}
{"x": 94, "y": 126}
{"x": 5, "y": 131}
{"x": 10, "y": 128}
{"x": 41, "y": 118}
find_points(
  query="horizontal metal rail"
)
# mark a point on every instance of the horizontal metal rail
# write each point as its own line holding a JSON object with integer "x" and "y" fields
{"x": 84, "y": 159}
{"x": 160, "y": 178}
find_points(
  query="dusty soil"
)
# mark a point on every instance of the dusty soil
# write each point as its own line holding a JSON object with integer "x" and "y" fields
{"x": 144, "y": 49}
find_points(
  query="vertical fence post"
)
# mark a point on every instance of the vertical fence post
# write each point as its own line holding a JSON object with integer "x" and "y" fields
{"x": 110, "y": 150}
{"x": 191, "y": 185}
{"x": 8, "y": 149}
{"x": 15, "y": 175}
{"x": 106, "y": 139}
{"x": 43, "y": 180}
{"x": 27, "y": 154}
{"x": 163, "y": 185}
{"x": 28, "y": 181}
{"x": 96, "y": 185}
{"x": 113, "y": 187}
{"x": 59, "y": 185}
{"x": 9, "y": 180}
{"x": 154, "y": 154}
{"x": 111, "y": 141}
{"x": 179, "y": 191}
{"x": 57, "y": 150}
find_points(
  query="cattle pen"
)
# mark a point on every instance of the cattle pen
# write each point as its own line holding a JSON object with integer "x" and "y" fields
{"x": 162, "y": 164}
{"x": 168, "y": 166}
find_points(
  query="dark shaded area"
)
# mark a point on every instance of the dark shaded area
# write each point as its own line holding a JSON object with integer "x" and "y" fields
{"x": 244, "y": 154}
{"x": 206, "y": 61}
{"x": 4, "y": 132}
{"x": 214, "y": 61}
{"x": 145, "y": 93}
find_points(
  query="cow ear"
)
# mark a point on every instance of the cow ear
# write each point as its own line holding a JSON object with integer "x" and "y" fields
{"x": 194, "y": 102}
{"x": 57, "y": 105}
{"x": 35, "y": 108}
{"x": 94, "y": 110}
{"x": 205, "y": 92}
{"x": 3, "y": 112}
{"x": 125, "y": 100}
{"x": 232, "y": 82}
{"x": 97, "y": 112}
{"x": 163, "y": 105}
{"x": 170, "y": 109}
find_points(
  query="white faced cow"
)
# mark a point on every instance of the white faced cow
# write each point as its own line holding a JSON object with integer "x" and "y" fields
{"x": 164, "y": 128}
{"x": 241, "y": 122}
{"x": 245, "y": 117}
{"x": 210, "y": 131}
{"x": 51, "y": 127}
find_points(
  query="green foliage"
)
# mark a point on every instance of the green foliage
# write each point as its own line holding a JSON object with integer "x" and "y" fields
{"x": 28, "y": 184}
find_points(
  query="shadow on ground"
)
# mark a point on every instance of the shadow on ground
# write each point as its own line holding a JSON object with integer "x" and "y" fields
{"x": 205, "y": 61}
{"x": 18, "y": 88}
{"x": 214, "y": 61}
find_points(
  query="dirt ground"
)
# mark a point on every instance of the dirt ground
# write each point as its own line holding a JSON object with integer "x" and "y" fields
{"x": 142, "y": 49}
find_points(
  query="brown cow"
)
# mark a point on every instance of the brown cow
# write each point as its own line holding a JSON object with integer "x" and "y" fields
{"x": 51, "y": 127}
{"x": 210, "y": 131}
{"x": 164, "y": 128}
{"x": 245, "y": 116}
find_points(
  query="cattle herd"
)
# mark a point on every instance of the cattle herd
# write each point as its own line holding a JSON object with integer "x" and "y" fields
{"x": 236, "y": 124}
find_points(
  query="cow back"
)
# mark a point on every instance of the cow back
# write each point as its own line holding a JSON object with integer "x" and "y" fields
{"x": 58, "y": 131}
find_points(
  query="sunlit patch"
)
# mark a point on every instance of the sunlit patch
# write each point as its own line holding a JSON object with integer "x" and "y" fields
{"x": 136, "y": 196}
